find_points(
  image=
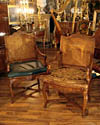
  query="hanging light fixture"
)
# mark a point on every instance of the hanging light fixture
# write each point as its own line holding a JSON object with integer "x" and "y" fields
{"x": 25, "y": 12}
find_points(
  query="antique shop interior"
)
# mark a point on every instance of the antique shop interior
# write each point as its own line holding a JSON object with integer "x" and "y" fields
{"x": 50, "y": 62}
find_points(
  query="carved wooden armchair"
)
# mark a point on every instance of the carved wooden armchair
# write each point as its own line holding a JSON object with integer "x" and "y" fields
{"x": 75, "y": 66}
{"x": 23, "y": 60}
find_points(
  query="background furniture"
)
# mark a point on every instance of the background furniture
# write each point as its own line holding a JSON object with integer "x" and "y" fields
{"x": 75, "y": 65}
{"x": 2, "y": 60}
{"x": 97, "y": 43}
{"x": 40, "y": 34}
{"x": 45, "y": 21}
{"x": 66, "y": 29}
{"x": 96, "y": 64}
{"x": 4, "y": 28}
{"x": 23, "y": 62}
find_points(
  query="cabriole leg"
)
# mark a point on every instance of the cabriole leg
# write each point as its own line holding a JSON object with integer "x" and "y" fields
{"x": 45, "y": 94}
{"x": 85, "y": 99}
{"x": 11, "y": 90}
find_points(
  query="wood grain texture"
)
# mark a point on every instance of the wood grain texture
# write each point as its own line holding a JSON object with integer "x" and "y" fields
{"x": 29, "y": 110}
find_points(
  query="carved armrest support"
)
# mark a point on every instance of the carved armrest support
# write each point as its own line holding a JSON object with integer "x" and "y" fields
{"x": 43, "y": 55}
{"x": 88, "y": 77}
{"x": 89, "y": 68}
{"x": 59, "y": 58}
{"x": 8, "y": 67}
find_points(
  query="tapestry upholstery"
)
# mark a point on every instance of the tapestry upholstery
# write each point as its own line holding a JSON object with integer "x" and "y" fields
{"x": 25, "y": 49}
{"x": 67, "y": 77}
{"x": 74, "y": 72}
{"x": 76, "y": 49}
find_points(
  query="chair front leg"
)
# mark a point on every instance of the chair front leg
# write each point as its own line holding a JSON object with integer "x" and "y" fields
{"x": 11, "y": 90}
{"x": 44, "y": 91}
{"x": 38, "y": 82}
{"x": 89, "y": 88}
{"x": 85, "y": 100}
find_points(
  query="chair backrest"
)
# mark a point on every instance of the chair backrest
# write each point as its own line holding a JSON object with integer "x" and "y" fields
{"x": 20, "y": 46}
{"x": 77, "y": 49}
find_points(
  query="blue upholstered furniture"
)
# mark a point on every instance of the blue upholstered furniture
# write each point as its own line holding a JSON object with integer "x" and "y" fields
{"x": 26, "y": 68}
{"x": 23, "y": 61}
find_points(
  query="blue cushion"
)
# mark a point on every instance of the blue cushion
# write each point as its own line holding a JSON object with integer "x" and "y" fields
{"x": 26, "y": 68}
{"x": 94, "y": 75}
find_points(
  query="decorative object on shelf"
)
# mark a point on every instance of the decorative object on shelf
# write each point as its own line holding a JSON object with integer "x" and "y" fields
{"x": 74, "y": 16}
{"x": 50, "y": 5}
{"x": 58, "y": 16}
{"x": 42, "y": 25}
{"x": 83, "y": 26}
{"x": 64, "y": 16}
{"x": 25, "y": 12}
{"x": 41, "y": 4}
{"x": 41, "y": 22}
{"x": 39, "y": 15}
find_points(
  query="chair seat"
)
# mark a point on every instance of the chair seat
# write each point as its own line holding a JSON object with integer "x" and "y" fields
{"x": 67, "y": 77}
{"x": 26, "y": 68}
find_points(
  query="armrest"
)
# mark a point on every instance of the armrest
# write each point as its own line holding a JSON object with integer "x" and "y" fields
{"x": 8, "y": 67}
{"x": 39, "y": 52}
{"x": 43, "y": 55}
{"x": 59, "y": 58}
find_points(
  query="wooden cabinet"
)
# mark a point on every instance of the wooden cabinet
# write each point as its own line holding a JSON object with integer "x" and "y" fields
{"x": 4, "y": 28}
{"x": 97, "y": 44}
{"x": 2, "y": 60}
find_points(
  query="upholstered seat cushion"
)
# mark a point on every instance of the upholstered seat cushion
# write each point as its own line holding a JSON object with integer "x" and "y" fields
{"x": 26, "y": 68}
{"x": 67, "y": 77}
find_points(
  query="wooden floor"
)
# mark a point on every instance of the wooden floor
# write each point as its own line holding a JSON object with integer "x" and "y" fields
{"x": 28, "y": 110}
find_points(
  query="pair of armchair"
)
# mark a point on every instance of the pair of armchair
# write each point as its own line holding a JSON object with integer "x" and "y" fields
{"x": 23, "y": 60}
{"x": 73, "y": 74}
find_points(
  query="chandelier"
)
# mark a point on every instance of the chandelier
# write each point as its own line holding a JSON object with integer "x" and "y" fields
{"x": 25, "y": 12}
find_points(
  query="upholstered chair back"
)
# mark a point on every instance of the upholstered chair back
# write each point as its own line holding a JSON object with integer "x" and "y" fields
{"x": 77, "y": 49}
{"x": 23, "y": 47}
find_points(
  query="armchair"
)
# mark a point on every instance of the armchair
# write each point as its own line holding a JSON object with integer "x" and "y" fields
{"x": 75, "y": 66}
{"x": 23, "y": 62}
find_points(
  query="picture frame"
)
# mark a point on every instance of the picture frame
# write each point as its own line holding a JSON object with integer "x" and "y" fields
{"x": 13, "y": 15}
